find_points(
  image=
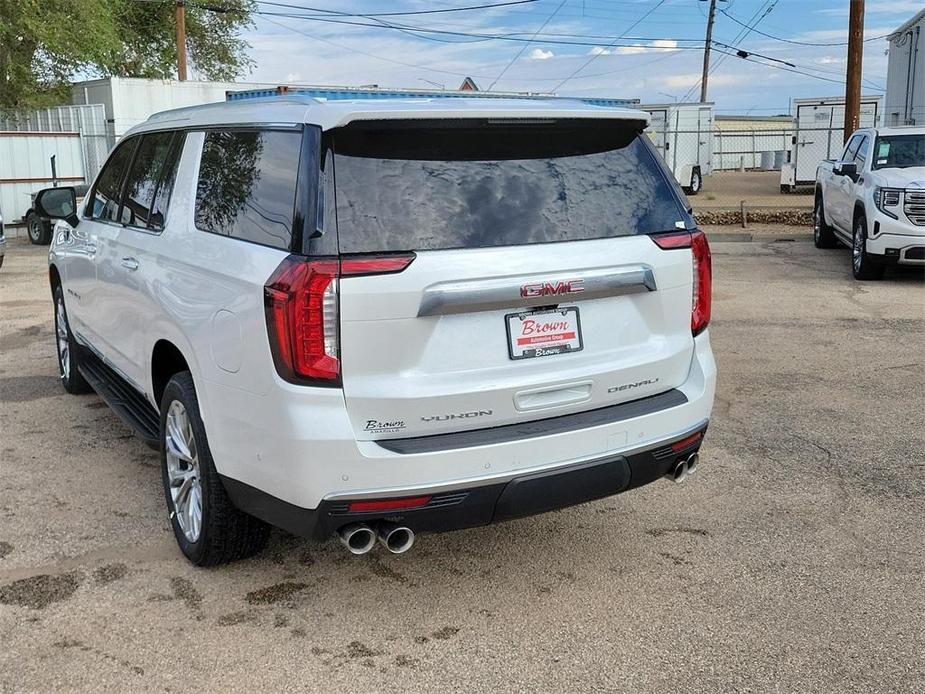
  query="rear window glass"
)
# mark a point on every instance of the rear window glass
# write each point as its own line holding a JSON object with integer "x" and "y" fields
{"x": 247, "y": 184}
{"x": 443, "y": 187}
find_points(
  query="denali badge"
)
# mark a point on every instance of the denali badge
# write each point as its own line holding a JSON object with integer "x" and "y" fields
{"x": 637, "y": 384}
{"x": 552, "y": 288}
{"x": 461, "y": 415}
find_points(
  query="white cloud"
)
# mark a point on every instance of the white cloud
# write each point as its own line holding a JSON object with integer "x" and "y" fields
{"x": 657, "y": 46}
{"x": 540, "y": 54}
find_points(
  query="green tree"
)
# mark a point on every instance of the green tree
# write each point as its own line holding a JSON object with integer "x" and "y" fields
{"x": 44, "y": 44}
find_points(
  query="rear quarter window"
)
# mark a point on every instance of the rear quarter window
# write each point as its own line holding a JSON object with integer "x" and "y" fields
{"x": 247, "y": 185}
{"x": 433, "y": 188}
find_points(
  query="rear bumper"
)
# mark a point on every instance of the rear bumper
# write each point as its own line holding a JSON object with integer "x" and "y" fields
{"x": 523, "y": 495}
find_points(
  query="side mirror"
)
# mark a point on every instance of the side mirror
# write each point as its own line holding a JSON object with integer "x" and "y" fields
{"x": 845, "y": 168}
{"x": 57, "y": 203}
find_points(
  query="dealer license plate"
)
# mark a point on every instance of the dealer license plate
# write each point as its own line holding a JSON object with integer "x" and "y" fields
{"x": 543, "y": 333}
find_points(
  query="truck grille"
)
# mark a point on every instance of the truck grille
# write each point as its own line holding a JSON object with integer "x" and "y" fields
{"x": 914, "y": 207}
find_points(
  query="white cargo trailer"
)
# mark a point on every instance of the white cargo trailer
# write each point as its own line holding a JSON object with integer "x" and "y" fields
{"x": 683, "y": 135}
{"x": 905, "y": 75}
{"x": 819, "y": 134}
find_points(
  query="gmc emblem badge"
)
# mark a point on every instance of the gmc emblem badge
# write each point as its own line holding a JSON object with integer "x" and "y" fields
{"x": 552, "y": 288}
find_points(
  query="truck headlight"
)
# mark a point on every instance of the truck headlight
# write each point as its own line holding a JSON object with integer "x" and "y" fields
{"x": 885, "y": 198}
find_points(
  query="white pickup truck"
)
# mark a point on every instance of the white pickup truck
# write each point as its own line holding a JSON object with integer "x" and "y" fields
{"x": 873, "y": 200}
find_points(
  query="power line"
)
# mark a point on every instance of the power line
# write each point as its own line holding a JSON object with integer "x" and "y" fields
{"x": 756, "y": 17}
{"x": 793, "y": 41}
{"x": 595, "y": 56}
{"x": 521, "y": 51}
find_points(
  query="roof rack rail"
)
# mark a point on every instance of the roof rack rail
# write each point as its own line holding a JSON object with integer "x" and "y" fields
{"x": 342, "y": 93}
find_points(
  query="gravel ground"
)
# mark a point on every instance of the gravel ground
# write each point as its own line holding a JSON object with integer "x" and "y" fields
{"x": 725, "y": 189}
{"x": 792, "y": 562}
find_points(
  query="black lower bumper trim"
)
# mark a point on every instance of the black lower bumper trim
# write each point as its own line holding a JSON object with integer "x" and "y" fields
{"x": 537, "y": 427}
{"x": 526, "y": 495}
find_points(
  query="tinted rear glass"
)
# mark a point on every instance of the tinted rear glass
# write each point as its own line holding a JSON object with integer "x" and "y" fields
{"x": 430, "y": 188}
{"x": 247, "y": 185}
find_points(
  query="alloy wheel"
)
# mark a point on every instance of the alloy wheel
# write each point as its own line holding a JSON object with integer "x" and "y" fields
{"x": 857, "y": 248}
{"x": 35, "y": 229}
{"x": 64, "y": 347}
{"x": 183, "y": 471}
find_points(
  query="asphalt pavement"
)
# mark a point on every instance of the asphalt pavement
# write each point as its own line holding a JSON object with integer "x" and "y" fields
{"x": 791, "y": 562}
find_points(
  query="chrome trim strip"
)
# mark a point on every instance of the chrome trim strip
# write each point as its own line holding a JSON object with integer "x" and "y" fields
{"x": 504, "y": 292}
{"x": 486, "y": 480}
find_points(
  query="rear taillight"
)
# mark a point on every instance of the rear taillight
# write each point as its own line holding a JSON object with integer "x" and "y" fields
{"x": 302, "y": 311}
{"x": 703, "y": 271}
{"x": 703, "y": 282}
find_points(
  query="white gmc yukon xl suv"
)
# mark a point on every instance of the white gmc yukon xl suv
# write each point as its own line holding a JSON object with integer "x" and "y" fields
{"x": 873, "y": 200}
{"x": 374, "y": 318}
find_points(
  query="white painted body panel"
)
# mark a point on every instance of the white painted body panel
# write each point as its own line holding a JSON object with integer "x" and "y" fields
{"x": 204, "y": 294}
{"x": 841, "y": 195}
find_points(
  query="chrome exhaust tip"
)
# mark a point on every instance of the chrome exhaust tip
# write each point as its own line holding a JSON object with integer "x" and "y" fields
{"x": 692, "y": 463}
{"x": 679, "y": 472}
{"x": 395, "y": 538}
{"x": 358, "y": 538}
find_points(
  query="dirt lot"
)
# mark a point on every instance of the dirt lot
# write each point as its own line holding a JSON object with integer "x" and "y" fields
{"x": 793, "y": 560}
{"x": 726, "y": 189}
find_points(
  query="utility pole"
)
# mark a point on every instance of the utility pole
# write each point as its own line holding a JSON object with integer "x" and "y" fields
{"x": 181, "y": 41}
{"x": 853, "y": 77}
{"x": 706, "y": 51}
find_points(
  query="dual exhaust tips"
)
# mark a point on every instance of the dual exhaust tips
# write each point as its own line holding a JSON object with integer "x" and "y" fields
{"x": 359, "y": 538}
{"x": 683, "y": 468}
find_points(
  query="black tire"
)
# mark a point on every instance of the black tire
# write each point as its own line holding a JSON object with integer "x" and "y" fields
{"x": 39, "y": 231}
{"x": 863, "y": 265}
{"x": 225, "y": 534}
{"x": 823, "y": 235}
{"x": 68, "y": 351}
{"x": 696, "y": 184}
{"x": 786, "y": 189}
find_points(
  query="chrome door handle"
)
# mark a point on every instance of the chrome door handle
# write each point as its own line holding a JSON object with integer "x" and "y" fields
{"x": 130, "y": 264}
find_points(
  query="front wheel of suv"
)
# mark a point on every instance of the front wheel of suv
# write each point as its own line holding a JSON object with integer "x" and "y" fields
{"x": 863, "y": 264}
{"x": 207, "y": 526}
{"x": 68, "y": 350}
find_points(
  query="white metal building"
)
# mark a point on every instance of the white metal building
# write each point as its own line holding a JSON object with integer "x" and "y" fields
{"x": 74, "y": 135}
{"x": 905, "y": 76}
{"x": 129, "y": 101}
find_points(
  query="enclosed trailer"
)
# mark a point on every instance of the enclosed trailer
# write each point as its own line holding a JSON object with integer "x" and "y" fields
{"x": 683, "y": 135}
{"x": 819, "y": 135}
{"x": 905, "y": 76}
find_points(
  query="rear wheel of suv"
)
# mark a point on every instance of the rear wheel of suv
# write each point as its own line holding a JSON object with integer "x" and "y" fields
{"x": 208, "y": 527}
{"x": 823, "y": 236}
{"x": 862, "y": 263}
{"x": 39, "y": 234}
{"x": 68, "y": 350}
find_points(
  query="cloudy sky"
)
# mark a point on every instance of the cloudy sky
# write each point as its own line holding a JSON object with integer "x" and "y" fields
{"x": 620, "y": 48}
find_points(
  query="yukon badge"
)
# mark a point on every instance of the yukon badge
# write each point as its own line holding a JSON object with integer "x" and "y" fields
{"x": 535, "y": 289}
{"x": 460, "y": 415}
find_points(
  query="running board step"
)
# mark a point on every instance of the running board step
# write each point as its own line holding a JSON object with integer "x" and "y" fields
{"x": 124, "y": 400}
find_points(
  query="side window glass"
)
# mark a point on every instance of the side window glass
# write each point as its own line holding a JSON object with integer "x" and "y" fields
{"x": 247, "y": 185}
{"x": 165, "y": 187}
{"x": 861, "y": 155}
{"x": 148, "y": 168}
{"x": 108, "y": 191}
{"x": 850, "y": 149}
